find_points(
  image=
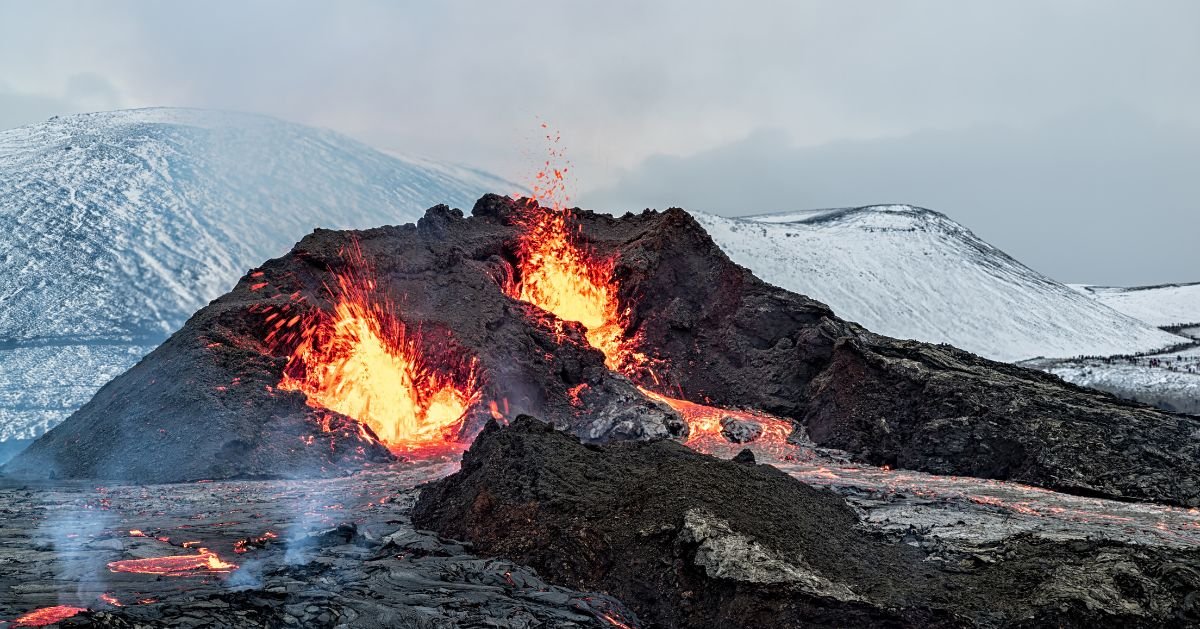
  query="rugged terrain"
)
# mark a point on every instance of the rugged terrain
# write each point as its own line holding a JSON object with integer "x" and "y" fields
{"x": 335, "y": 553}
{"x": 689, "y": 541}
{"x": 707, "y": 330}
{"x": 119, "y": 225}
{"x": 343, "y": 552}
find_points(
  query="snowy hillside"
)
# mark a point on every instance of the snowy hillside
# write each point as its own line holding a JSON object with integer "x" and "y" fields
{"x": 1169, "y": 380}
{"x": 1166, "y": 305}
{"x": 115, "y": 227}
{"x": 912, "y": 273}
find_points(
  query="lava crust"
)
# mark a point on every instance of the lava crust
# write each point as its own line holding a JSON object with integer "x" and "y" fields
{"x": 686, "y": 540}
{"x": 207, "y": 403}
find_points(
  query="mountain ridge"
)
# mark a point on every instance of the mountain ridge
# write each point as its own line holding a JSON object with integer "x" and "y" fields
{"x": 911, "y": 272}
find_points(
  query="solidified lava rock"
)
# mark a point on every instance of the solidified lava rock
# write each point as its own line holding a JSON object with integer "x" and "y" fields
{"x": 686, "y": 540}
{"x": 740, "y": 430}
{"x": 204, "y": 404}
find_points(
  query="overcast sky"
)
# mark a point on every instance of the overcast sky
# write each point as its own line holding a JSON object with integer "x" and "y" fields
{"x": 1065, "y": 132}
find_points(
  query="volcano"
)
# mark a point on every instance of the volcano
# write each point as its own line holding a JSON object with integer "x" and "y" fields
{"x": 611, "y": 328}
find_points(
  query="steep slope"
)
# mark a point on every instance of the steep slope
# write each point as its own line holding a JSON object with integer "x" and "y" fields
{"x": 116, "y": 226}
{"x": 912, "y": 273}
{"x": 1162, "y": 306}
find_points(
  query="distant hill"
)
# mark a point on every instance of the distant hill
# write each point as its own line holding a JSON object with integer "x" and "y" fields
{"x": 913, "y": 273}
{"x": 1164, "y": 305}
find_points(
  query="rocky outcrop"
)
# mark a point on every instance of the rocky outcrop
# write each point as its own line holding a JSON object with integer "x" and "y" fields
{"x": 686, "y": 540}
{"x": 942, "y": 410}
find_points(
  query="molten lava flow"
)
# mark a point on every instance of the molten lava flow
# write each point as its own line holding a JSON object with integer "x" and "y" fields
{"x": 614, "y": 620}
{"x": 362, "y": 362}
{"x": 206, "y": 562}
{"x": 47, "y": 616}
{"x": 704, "y": 425}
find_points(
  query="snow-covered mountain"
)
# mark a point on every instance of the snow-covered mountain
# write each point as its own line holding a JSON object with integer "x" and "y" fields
{"x": 913, "y": 273}
{"x": 115, "y": 227}
{"x": 1163, "y": 305}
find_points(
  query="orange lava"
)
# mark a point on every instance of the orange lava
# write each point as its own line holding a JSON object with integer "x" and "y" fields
{"x": 614, "y": 620}
{"x": 704, "y": 425}
{"x": 47, "y": 616}
{"x": 364, "y": 363}
{"x": 557, "y": 272}
{"x": 110, "y": 599}
{"x": 205, "y": 562}
{"x": 558, "y": 275}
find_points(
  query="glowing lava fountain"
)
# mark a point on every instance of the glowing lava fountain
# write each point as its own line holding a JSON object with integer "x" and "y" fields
{"x": 559, "y": 274}
{"x": 364, "y": 363}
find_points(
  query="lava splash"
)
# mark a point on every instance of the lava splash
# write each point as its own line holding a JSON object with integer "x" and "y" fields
{"x": 363, "y": 362}
{"x": 557, "y": 272}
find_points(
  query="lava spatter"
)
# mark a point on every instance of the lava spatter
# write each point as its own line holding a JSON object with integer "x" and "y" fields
{"x": 362, "y": 361}
{"x": 559, "y": 273}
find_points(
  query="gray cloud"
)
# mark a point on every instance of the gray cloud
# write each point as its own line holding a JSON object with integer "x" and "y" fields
{"x": 82, "y": 92}
{"x": 1096, "y": 196}
{"x": 625, "y": 80}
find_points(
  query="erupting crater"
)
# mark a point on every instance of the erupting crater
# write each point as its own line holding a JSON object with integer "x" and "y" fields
{"x": 558, "y": 273}
{"x": 363, "y": 362}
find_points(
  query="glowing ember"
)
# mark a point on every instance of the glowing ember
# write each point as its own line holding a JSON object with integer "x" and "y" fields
{"x": 244, "y": 545}
{"x": 206, "y": 562}
{"x": 614, "y": 620}
{"x": 362, "y": 362}
{"x": 47, "y": 616}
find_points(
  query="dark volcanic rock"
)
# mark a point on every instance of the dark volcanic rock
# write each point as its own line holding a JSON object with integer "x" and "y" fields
{"x": 200, "y": 406}
{"x": 942, "y": 410}
{"x": 690, "y": 541}
{"x": 740, "y": 430}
